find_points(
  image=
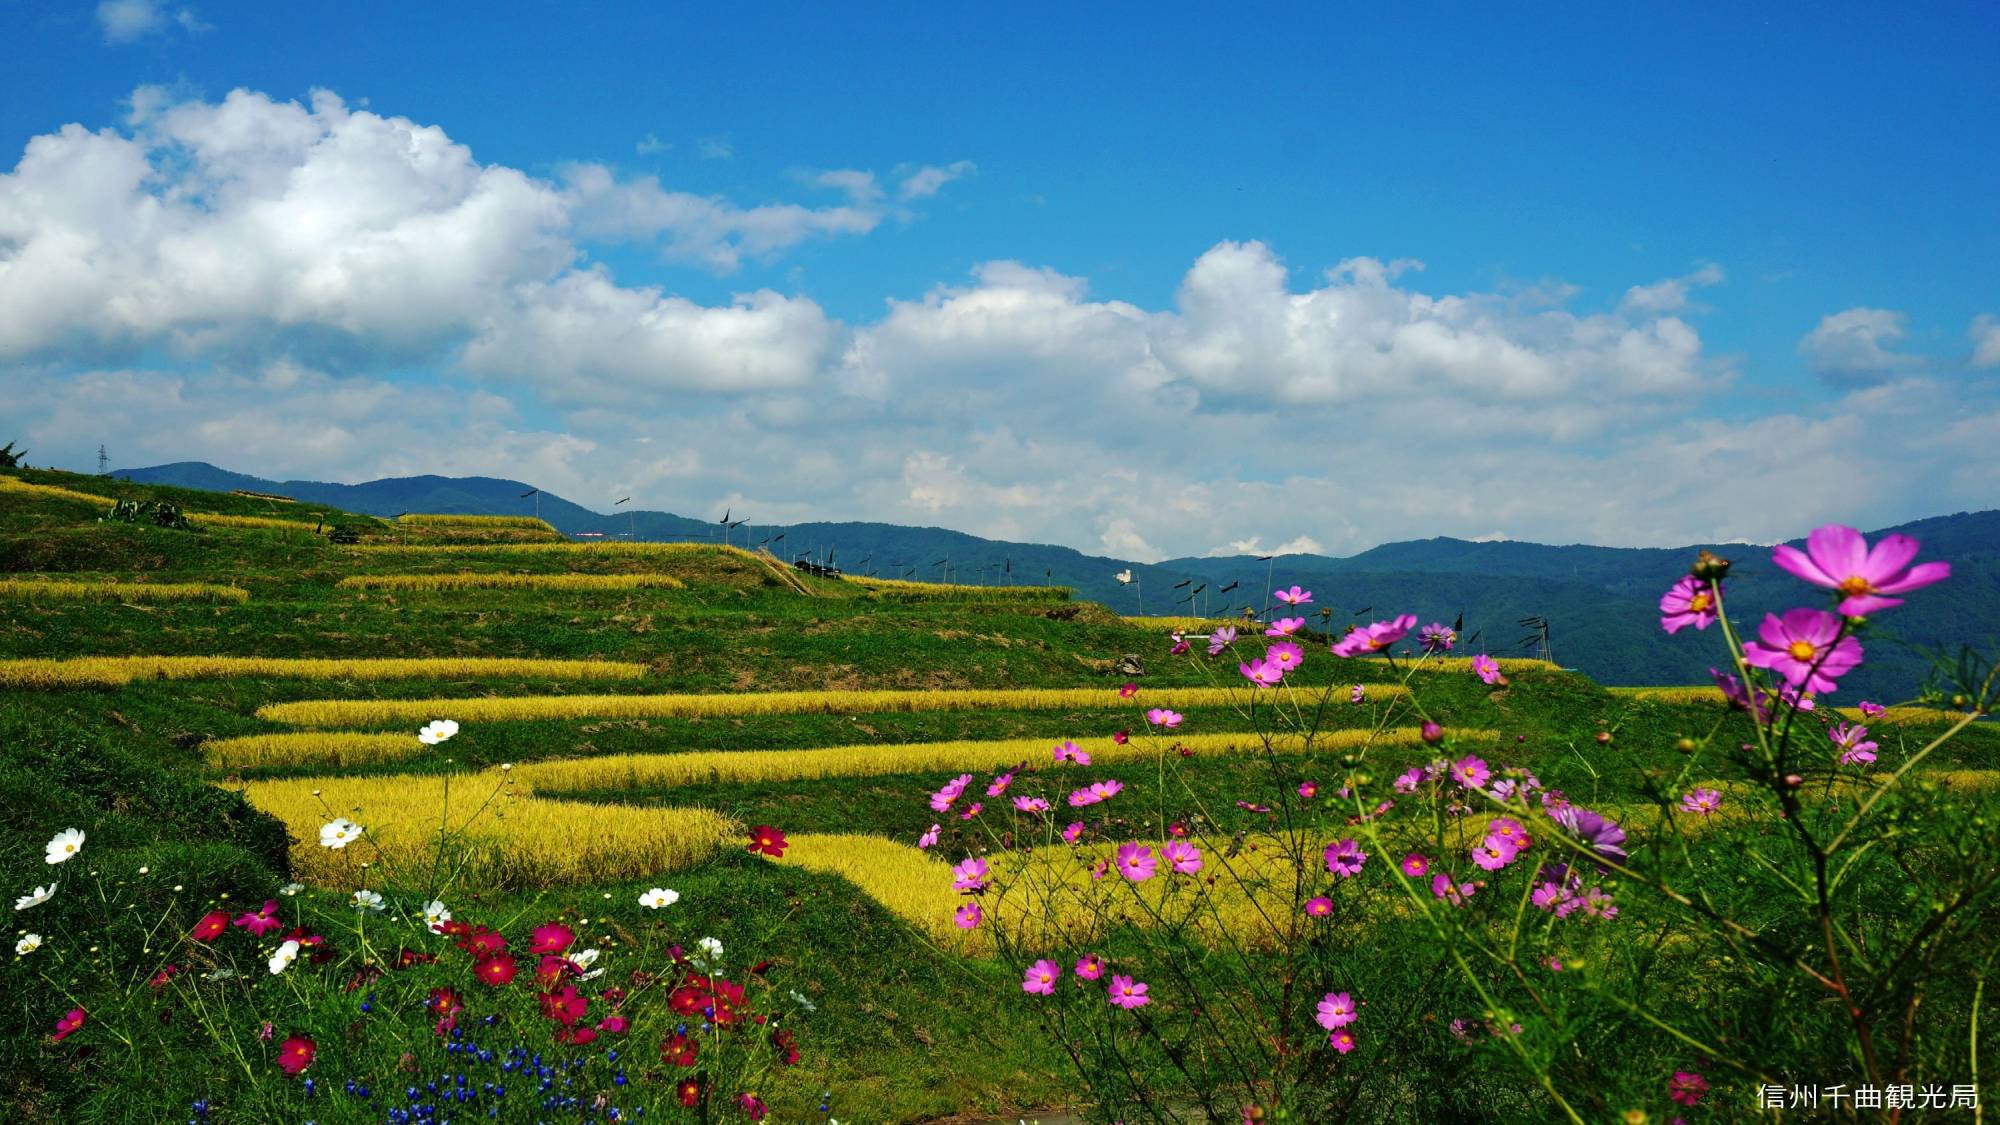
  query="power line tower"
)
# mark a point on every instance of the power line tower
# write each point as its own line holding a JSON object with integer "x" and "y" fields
{"x": 103, "y": 462}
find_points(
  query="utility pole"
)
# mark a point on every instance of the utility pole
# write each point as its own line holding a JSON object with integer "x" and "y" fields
{"x": 103, "y": 462}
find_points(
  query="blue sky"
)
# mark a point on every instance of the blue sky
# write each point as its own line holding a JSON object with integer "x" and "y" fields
{"x": 1788, "y": 165}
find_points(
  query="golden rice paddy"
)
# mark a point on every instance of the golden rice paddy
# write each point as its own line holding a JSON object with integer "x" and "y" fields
{"x": 1711, "y": 695}
{"x": 531, "y": 523}
{"x": 321, "y": 749}
{"x": 565, "y": 547}
{"x": 98, "y": 671}
{"x": 1187, "y": 624}
{"x": 365, "y": 712}
{"x": 123, "y": 591}
{"x": 52, "y": 492}
{"x": 422, "y": 582}
{"x": 897, "y": 588}
{"x": 263, "y": 523}
{"x": 658, "y": 771}
{"x": 495, "y": 836}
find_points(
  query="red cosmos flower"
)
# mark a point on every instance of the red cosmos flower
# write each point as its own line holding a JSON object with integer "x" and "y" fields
{"x": 300, "y": 935}
{"x": 679, "y": 1050}
{"x": 552, "y": 938}
{"x": 445, "y": 1004}
{"x": 496, "y": 970}
{"x": 1127, "y": 690}
{"x": 1121, "y": 737}
{"x": 614, "y": 1025}
{"x": 296, "y": 1054}
{"x": 478, "y": 941}
{"x": 578, "y": 1036}
{"x": 161, "y": 978}
{"x": 211, "y": 926}
{"x": 689, "y": 999}
{"x": 263, "y": 921}
{"x": 753, "y": 1106}
{"x": 767, "y": 840}
{"x": 564, "y": 1007}
{"x": 553, "y": 968}
{"x": 689, "y": 1092}
{"x": 71, "y": 1020}
{"x": 410, "y": 958}
{"x": 787, "y": 1045}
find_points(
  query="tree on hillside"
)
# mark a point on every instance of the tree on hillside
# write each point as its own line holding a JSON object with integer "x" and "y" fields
{"x": 9, "y": 457}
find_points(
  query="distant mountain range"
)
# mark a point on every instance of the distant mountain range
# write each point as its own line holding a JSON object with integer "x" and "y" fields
{"x": 1600, "y": 602}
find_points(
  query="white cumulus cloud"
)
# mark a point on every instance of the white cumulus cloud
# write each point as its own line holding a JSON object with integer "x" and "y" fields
{"x": 1857, "y": 346}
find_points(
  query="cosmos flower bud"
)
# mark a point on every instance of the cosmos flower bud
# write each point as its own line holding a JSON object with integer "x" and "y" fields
{"x": 1710, "y": 567}
{"x": 1433, "y": 733}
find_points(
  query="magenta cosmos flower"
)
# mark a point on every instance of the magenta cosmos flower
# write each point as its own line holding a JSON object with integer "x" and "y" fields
{"x": 1128, "y": 689}
{"x": 1356, "y": 694}
{"x": 1415, "y": 865}
{"x": 1486, "y": 668}
{"x": 1161, "y": 717}
{"x": 1494, "y": 853}
{"x": 1437, "y": 637}
{"x": 1701, "y": 802}
{"x": 1839, "y": 558}
{"x": 969, "y": 877}
{"x": 942, "y": 799}
{"x": 1471, "y": 772}
{"x": 1262, "y": 672}
{"x": 1342, "y": 1040}
{"x": 1041, "y": 978}
{"x": 1285, "y": 626}
{"x": 1031, "y": 804}
{"x": 1805, "y": 647}
{"x": 1375, "y": 636}
{"x": 1691, "y": 601}
{"x": 1182, "y": 857}
{"x": 1000, "y": 785}
{"x": 1285, "y": 655}
{"x": 1336, "y": 1010}
{"x": 1067, "y": 751}
{"x": 1221, "y": 638}
{"x": 1594, "y": 831}
{"x": 1293, "y": 596}
{"x": 930, "y": 839}
{"x": 1319, "y": 906}
{"x": 1855, "y": 748}
{"x": 1089, "y": 966}
{"x": 264, "y": 921}
{"x": 1124, "y": 993}
{"x": 1073, "y": 833}
{"x": 1687, "y": 1087}
{"x": 967, "y": 916}
{"x": 1345, "y": 858}
{"x": 1136, "y": 862}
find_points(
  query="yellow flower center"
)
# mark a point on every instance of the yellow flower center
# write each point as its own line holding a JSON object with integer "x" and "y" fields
{"x": 1700, "y": 602}
{"x": 1855, "y": 586}
{"x": 1802, "y": 651}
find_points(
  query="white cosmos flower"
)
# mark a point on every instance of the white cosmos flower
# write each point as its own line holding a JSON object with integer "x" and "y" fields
{"x": 710, "y": 955}
{"x": 437, "y": 731}
{"x": 283, "y": 958}
{"x": 290, "y": 889}
{"x": 659, "y": 897}
{"x": 28, "y": 945}
{"x": 584, "y": 961}
{"x": 800, "y": 999}
{"x": 368, "y": 900}
{"x": 339, "y": 832}
{"x": 435, "y": 914}
{"x": 35, "y": 897}
{"x": 66, "y": 844}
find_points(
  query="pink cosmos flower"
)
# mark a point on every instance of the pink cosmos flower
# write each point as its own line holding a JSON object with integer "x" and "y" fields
{"x": 1415, "y": 865}
{"x": 1471, "y": 772}
{"x": 1336, "y": 1010}
{"x": 1342, "y": 1040}
{"x": 1105, "y": 790}
{"x": 1319, "y": 906}
{"x": 1125, "y": 994}
{"x": 942, "y": 799}
{"x": 1805, "y": 647}
{"x": 1182, "y": 857}
{"x": 1136, "y": 862}
{"x": 1308, "y": 789}
{"x": 1408, "y": 781}
{"x": 1068, "y": 751}
{"x": 1691, "y": 601}
{"x": 1855, "y": 749}
{"x": 930, "y": 839}
{"x": 1041, "y": 978}
{"x": 1031, "y": 804}
{"x": 1285, "y": 626}
{"x": 1161, "y": 717}
{"x": 1686, "y": 1086}
{"x": 1701, "y": 802}
{"x": 1100, "y": 869}
{"x": 71, "y": 1020}
{"x": 1118, "y": 737}
{"x": 967, "y": 916}
{"x": 1839, "y": 558}
{"x": 1870, "y": 710}
{"x": 1345, "y": 858}
{"x": 1486, "y": 669}
{"x": 1356, "y": 694}
{"x": 1249, "y": 806}
{"x": 1512, "y": 831}
{"x": 999, "y": 785}
{"x": 263, "y": 921}
{"x": 1180, "y": 645}
{"x": 1437, "y": 637}
{"x": 1090, "y": 966}
{"x": 971, "y": 810}
{"x": 1293, "y": 596}
{"x": 1444, "y": 887}
{"x": 1127, "y": 690}
{"x": 1494, "y": 853}
{"x": 1262, "y": 672}
{"x": 969, "y": 876}
{"x": 1285, "y": 655}
{"x": 1223, "y": 637}
{"x": 1073, "y": 833}
{"x": 553, "y": 937}
{"x": 1375, "y": 636}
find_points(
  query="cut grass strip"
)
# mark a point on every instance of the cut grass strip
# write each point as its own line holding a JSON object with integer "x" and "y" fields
{"x": 97, "y": 671}
{"x": 532, "y": 523}
{"x": 123, "y": 591}
{"x": 323, "y": 749}
{"x": 897, "y": 588}
{"x": 511, "y": 582}
{"x": 666, "y": 771}
{"x": 504, "y": 838}
{"x": 384, "y": 712}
